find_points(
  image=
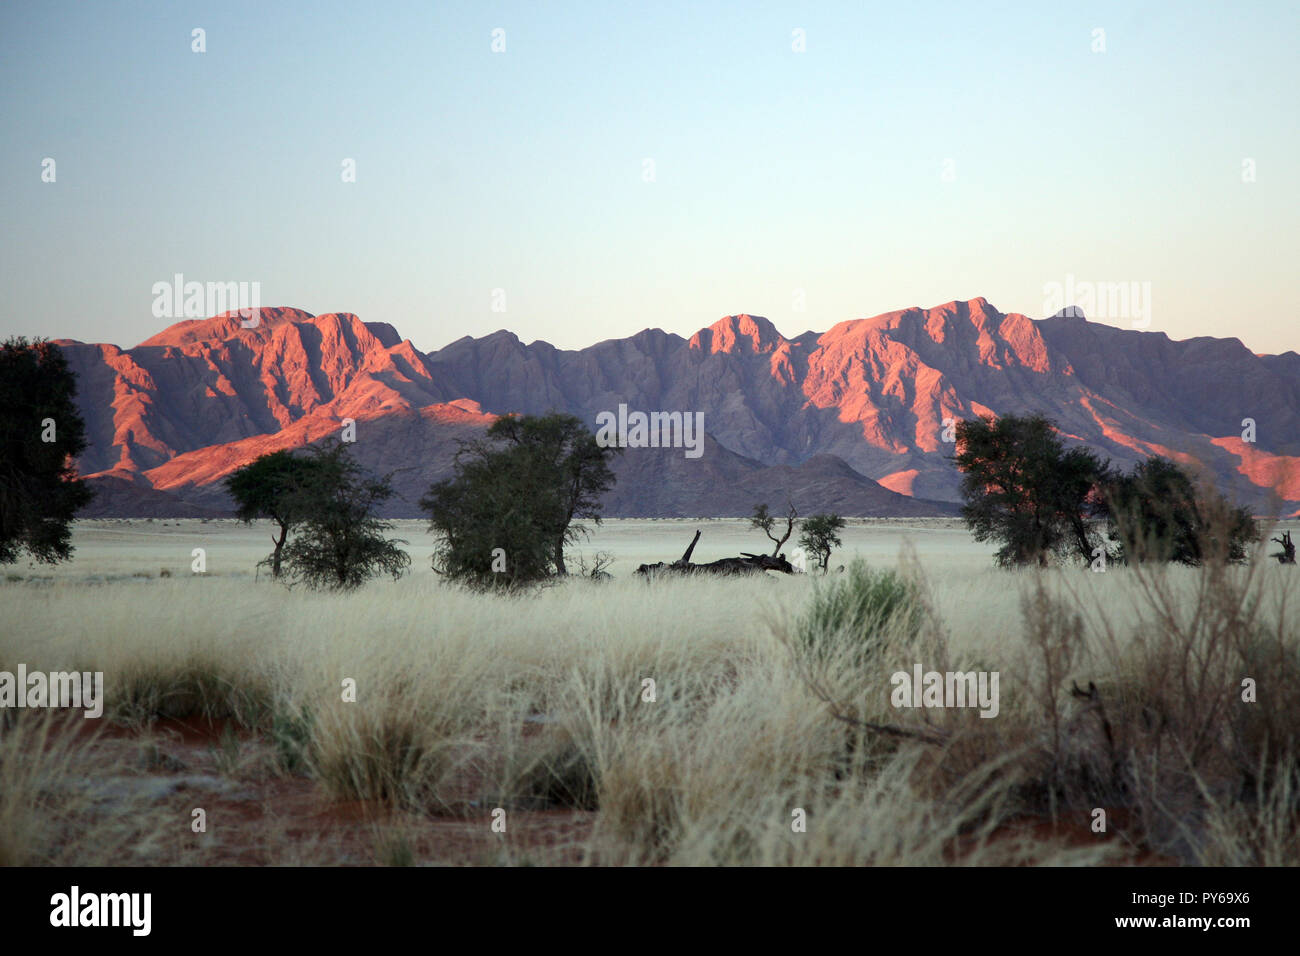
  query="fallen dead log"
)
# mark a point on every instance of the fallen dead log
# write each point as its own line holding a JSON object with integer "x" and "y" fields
{"x": 746, "y": 563}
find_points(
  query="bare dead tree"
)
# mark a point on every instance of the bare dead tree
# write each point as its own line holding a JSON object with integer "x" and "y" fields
{"x": 594, "y": 567}
{"x": 765, "y": 522}
{"x": 686, "y": 555}
{"x": 1287, "y": 554}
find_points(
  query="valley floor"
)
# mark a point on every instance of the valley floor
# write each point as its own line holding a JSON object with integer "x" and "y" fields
{"x": 677, "y": 722}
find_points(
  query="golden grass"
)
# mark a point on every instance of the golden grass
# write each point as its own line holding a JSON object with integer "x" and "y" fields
{"x": 466, "y": 702}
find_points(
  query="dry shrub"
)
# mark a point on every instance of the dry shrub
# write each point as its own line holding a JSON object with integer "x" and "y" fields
{"x": 1161, "y": 728}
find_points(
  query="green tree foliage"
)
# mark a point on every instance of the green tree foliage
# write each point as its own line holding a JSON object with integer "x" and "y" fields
{"x": 505, "y": 516}
{"x": 818, "y": 534}
{"x": 266, "y": 488}
{"x": 1022, "y": 488}
{"x": 575, "y": 469}
{"x": 492, "y": 532}
{"x": 340, "y": 542}
{"x": 1156, "y": 513}
{"x": 41, "y": 433}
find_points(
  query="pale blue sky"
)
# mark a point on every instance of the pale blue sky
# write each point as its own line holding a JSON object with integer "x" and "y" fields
{"x": 774, "y": 170}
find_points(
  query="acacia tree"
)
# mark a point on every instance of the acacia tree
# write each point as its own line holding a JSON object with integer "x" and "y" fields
{"x": 492, "y": 531}
{"x": 1024, "y": 489}
{"x": 265, "y": 488}
{"x": 764, "y": 521}
{"x": 1156, "y": 513}
{"x": 818, "y": 534}
{"x": 508, "y": 511}
{"x": 41, "y": 433}
{"x": 571, "y": 468}
{"x": 340, "y": 542}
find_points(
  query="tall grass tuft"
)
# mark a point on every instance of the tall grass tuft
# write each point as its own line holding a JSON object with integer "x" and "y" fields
{"x": 862, "y": 608}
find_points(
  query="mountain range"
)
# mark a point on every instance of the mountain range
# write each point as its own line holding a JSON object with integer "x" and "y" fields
{"x": 850, "y": 420}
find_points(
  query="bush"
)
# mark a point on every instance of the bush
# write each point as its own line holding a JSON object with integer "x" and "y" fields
{"x": 1152, "y": 718}
{"x": 863, "y": 607}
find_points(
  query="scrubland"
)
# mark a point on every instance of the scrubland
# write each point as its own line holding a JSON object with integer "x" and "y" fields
{"x": 679, "y": 722}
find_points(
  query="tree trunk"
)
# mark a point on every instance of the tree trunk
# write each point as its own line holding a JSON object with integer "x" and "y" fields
{"x": 559, "y": 557}
{"x": 1081, "y": 540}
{"x": 686, "y": 557}
{"x": 279, "y": 546}
{"x": 789, "y": 525}
{"x": 789, "y": 530}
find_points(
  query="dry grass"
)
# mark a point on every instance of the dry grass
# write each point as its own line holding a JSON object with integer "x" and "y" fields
{"x": 467, "y": 702}
{"x": 65, "y": 801}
